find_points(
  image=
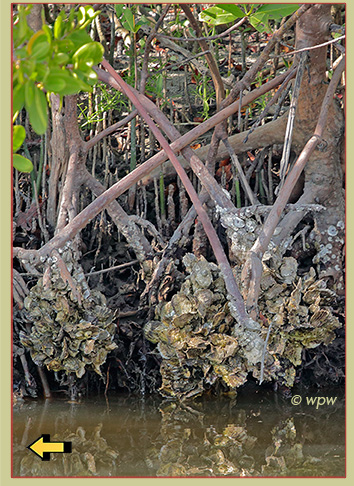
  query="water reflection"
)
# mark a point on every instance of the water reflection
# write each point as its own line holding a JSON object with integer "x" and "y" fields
{"x": 258, "y": 433}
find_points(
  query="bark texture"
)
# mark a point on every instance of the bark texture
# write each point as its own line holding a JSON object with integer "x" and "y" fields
{"x": 323, "y": 172}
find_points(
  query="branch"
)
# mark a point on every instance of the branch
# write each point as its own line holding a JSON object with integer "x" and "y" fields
{"x": 280, "y": 94}
{"x": 250, "y": 269}
{"x": 137, "y": 241}
{"x": 116, "y": 268}
{"x": 265, "y": 135}
{"x": 332, "y": 41}
{"x": 214, "y": 71}
{"x": 91, "y": 211}
{"x": 240, "y": 173}
{"x": 211, "y": 37}
{"x": 263, "y": 57}
{"x": 151, "y": 36}
{"x": 107, "y": 131}
{"x": 68, "y": 199}
{"x": 208, "y": 227}
{"x": 284, "y": 162}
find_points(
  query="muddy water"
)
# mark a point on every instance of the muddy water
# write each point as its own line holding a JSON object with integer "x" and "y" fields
{"x": 258, "y": 433}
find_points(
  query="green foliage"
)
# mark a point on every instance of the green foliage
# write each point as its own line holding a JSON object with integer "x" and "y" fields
{"x": 154, "y": 86}
{"x": 233, "y": 9}
{"x": 259, "y": 15}
{"x": 221, "y": 14}
{"x": 36, "y": 106}
{"x": 56, "y": 59}
{"x": 109, "y": 100}
{"x": 127, "y": 18}
{"x": 159, "y": 85}
{"x": 19, "y": 135}
{"x": 204, "y": 92}
{"x": 22, "y": 163}
{"x": 260, "y": 19}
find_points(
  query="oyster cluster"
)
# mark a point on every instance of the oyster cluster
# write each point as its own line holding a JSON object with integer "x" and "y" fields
{"x": 242, "y": 231}
{"x": 193, "y": 333}
{"x": 73, "y": 328}
{"x": 300, "y": 311}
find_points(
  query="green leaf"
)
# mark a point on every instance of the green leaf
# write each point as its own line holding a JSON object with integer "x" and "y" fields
{"x": 21, "y": 53}
{"x": 40, "y": 51}
{"x": 233, "y": 9}
{"x": 22, "y": 164}
{"x": 79, "y": 38}
{"x": 90, "y": 15}
{"x": 68, "y": 28}
{"x": 128, "y": 20}
{"x": 80, "y": 80}
{"x": 21, "y": 29}
{"x": 208, "y": 13}
{"x": 86, "y": 15}
{"x": 140, "y": 23}
{"x": 75, "y": 85}
{"x": 63, "y": 82}
{"x": 277, "y": 10}
{"x": 81, "y": 16}
{"x": 47, "y": 32}
{"x": 37, "y": 110}
{"x": 55, "y": 82}
{"x": 63, "y": 46}
{"x": 216, "y": 16}
{"x": 19, "y": 135}
{"x": 260, "y": 23}
{"x": 41, "y": 72}
{"x": 61, "y": 58}
{"x": 70, "y": 23}
{"x": 260, "y": 19}
{"x": 29, "y": 93}
{"x": 58, "y": 25}
{"x": 88, "y": 55}
{"x": 119, "y": 9}
{"x": 18, "y": 97}
{"x": 88, "y": 78}
{"x": 38, "y": 47}
{"x": 159, "y": 84}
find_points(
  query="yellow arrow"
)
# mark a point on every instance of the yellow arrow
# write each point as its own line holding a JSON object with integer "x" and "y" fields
{"x": 43, "y": 447}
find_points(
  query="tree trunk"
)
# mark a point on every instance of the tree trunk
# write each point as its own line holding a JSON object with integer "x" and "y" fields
{"x": 323, "y": 173}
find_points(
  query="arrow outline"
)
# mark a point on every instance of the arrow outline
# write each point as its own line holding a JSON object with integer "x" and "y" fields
{"x": 67, "y": 447}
